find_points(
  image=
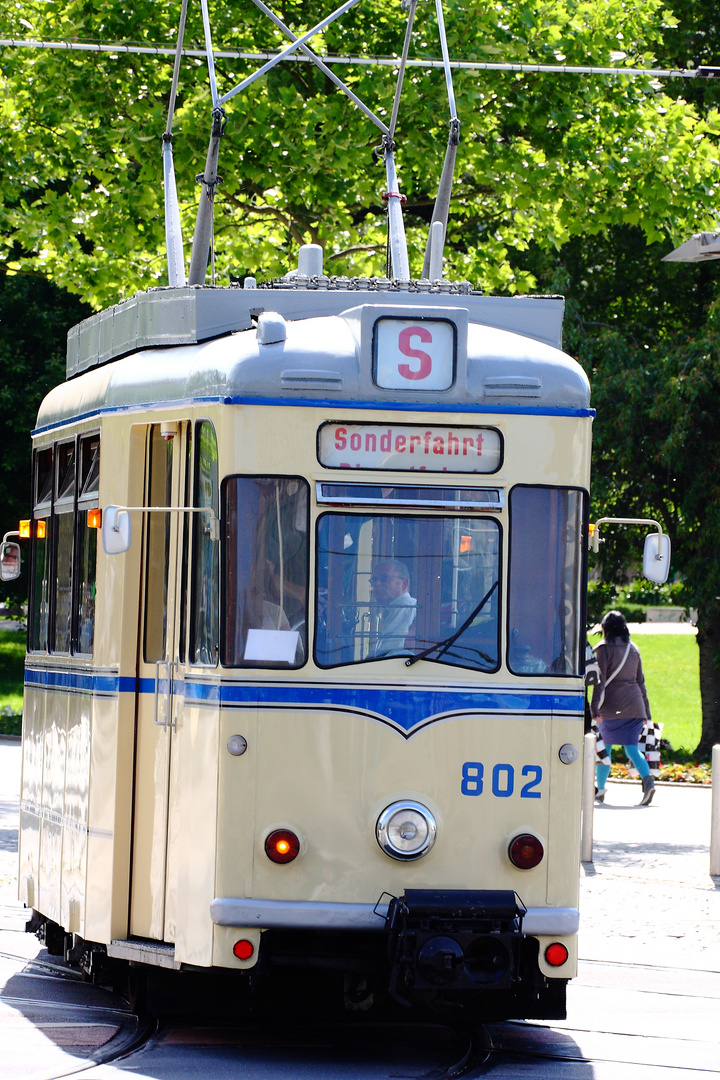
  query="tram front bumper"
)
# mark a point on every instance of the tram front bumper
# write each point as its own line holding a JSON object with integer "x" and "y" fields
{"x": 321, "y": 915}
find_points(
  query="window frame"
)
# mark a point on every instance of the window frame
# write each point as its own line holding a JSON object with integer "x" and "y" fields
{"x": 83, "y": 503}
{"x": 48, "y": 510}
{"x": 386, "y": 512}
{"x": 258, "y": 665}
{"x": 200, "y": 522}
{"x": 581, "y": 584}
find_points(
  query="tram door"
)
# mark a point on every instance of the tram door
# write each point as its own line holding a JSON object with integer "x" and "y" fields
{"x": 160, "y": 674}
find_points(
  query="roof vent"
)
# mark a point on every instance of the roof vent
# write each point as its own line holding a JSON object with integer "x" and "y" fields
{"x": 271, "y": 328}
{"x": 310, "y": 260}
{"x": 311, "y": 380}
{"x": 512, "y": 386}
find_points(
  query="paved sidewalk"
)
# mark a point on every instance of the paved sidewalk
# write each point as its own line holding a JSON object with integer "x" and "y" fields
{"x": 647, "y": 897}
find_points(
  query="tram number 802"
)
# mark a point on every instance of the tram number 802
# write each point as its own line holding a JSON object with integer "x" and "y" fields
{"x": 502, "y": 780}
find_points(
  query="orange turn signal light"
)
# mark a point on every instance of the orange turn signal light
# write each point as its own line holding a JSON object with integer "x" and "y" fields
{"x": 282, "y": 846}
{"x": 94, "y": 519}
{"x": 24, "y": 529}
{"x": 41, "y": 528}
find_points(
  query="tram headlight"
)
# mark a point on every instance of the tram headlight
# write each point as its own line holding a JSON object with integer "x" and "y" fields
{"x": 406, "y": 830}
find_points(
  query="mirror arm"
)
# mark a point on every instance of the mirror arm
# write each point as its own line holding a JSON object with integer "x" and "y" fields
{"x": 214, "y": 521}
{"x": 595, "y": 540}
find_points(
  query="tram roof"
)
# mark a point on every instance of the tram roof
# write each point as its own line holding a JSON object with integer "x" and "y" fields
{"x": 191, "y": 314}
{"x": 507, "y": 356}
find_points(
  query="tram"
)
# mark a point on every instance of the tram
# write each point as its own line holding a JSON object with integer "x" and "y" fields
{"x": 318, "y": 696}
{"x": 304, "y": 682}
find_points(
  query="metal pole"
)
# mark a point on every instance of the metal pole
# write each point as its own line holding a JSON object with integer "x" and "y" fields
{"x": 324, "y": 68}
{"x": 588, "y": 798}
{"x": 446, "y": 59}
{"x": 396, "y": 225}
{"x": 203, "y": 235}
{"x": 441, "y": 209}
{"x": 173, "y": 228}
{"x": 436, "y": 244}
{"x": 401, "y": 71}
{"x": 715, "y": 814}
{"x": 287, "y": 51}
{"x": 209, "y": 53}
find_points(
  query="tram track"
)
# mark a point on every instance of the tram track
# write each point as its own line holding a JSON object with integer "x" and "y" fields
{"x": 457, "y": 1050}
{"x": 74, "y": 1025}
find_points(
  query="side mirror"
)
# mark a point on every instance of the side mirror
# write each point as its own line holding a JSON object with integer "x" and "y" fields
{"x": 9, "y": 561}
{"x": 116, "y": 530}
{"x": 656, "y": 557}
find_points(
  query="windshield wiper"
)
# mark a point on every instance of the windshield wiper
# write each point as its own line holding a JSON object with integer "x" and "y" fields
{"x": 444, "y": 645}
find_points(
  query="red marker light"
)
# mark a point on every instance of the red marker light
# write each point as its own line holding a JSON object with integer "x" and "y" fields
{"x": 526, "y": 851}
{"x": 282, "y": 846}
{"x": 556, "y": 954}
{"x": 243, "y": 949}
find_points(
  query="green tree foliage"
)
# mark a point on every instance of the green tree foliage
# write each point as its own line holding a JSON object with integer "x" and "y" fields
{"x": 647, "y": 333}
{"x": 571, "y": 184}
{"x": 34, "y": 319}
{"x": 542, "y": 158}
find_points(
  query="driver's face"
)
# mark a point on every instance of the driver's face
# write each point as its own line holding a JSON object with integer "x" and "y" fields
{"x": 387, "y": 584}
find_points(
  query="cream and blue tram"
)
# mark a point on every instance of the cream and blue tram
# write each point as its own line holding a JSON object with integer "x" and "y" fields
{"x": 304, "y": 682}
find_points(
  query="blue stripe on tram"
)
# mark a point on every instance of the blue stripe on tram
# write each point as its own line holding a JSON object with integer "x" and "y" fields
{"x": 404, "y": 708}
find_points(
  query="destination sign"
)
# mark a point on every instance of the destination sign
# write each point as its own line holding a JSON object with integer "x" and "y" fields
{"x": 414, "y": 355}
{"x": 407, "y": 448}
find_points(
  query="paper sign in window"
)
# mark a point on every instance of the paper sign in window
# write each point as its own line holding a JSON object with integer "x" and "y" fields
{"x": 276, "y": 645}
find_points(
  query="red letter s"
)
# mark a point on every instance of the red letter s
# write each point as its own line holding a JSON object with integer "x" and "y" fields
{"x": 407, "y": 350}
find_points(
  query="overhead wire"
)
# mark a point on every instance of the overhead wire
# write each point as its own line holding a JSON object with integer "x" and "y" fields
{"x": 702, "y": 72}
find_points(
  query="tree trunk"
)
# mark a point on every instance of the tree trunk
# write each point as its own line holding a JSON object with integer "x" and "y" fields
{"x": 708, "y": 639}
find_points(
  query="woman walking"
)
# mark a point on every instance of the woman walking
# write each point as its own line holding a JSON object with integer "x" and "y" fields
{"x": 620, "y": 702}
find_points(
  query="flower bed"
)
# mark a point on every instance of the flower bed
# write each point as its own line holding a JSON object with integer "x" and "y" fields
{"x": 673, "y": 771}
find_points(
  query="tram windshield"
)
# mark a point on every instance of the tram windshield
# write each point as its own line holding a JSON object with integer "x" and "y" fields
{"x": 399, "y": 585}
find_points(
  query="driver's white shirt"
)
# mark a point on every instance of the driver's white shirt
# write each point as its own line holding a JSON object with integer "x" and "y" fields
{"x": 394, "y": 622}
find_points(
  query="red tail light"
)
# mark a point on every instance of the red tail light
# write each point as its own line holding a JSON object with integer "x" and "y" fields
{"x": 526, "y": 851}
{"x": 243, "y": 949}
{"x": 556, "y": 954}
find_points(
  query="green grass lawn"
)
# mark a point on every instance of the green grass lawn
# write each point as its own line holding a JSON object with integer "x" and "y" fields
{"x": 670, "y": 665}
{"x": 12, "y": 661}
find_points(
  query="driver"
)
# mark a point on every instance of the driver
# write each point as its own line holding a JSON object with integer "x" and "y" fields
{"x": 390, "y": 581}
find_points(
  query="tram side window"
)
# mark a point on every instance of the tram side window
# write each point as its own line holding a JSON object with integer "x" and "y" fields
{"x": 64, "y": 549}
{"x": 86, "y": 582}
{"x": 63, "y": 534}
{"x": 204, "y": 612}
{"x": 398, "y": 585}
{"x": 545, "y": 609}
{"x": 158, "y": 546}
{"x": 40, "y": 574}
{"x": 265, "y": 569}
